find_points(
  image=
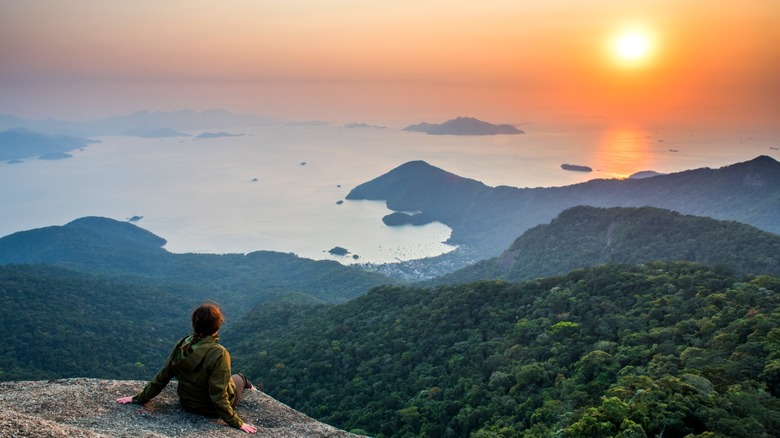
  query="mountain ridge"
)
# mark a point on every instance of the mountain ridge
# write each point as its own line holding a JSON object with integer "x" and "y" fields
{"x": 482, "y": 217}
{"x": 584, "y": 236}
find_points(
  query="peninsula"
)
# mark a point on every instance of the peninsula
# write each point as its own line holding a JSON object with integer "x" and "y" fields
{"x": 19, "y": 143}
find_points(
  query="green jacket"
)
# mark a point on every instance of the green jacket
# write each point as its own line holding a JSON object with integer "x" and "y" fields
{"x": 205, "y": 384}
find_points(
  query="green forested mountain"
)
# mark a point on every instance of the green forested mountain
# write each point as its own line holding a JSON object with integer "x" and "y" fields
{"x": 661, "y": 349}
{"x": 102, "y": 298}
{"x": 93, "y": 244}
{"x": 640, "y": 348}
{"x": 59, "y": 323}
{"x": 485, "y": 220}
{"x": 588, "y": 236}
{"x": 108, "y": 247}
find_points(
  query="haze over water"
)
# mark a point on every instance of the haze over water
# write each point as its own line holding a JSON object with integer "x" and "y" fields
{"x": 629, "y": 68}
{"x": 200, "y": 194}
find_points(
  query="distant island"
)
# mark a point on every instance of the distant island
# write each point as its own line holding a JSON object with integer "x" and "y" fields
{"x": 576, "y": 168}
{"x": 464, "y": 126}
{"x": 337, "y": 250}
{"x": 361, "y": 126}
{"x": 217, "y": 135}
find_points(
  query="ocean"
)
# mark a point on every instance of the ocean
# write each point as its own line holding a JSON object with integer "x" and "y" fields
{"x": 283, "y": 188}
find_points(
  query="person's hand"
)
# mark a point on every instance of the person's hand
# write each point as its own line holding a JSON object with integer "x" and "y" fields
{"x": 248, "y": 428}
{"x": 124, "y": 400}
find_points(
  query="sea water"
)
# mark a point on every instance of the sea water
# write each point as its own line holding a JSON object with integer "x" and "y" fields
{"x": 283, "y": 188}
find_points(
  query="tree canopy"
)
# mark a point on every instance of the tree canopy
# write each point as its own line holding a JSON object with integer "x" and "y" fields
{"x": 665, "y": 348}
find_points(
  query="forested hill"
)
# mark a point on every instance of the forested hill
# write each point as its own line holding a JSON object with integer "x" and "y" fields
{"x": 487, "y": 219}
{"x": 589, "y": 236}
{"x": 59, "y": 323}
{"x": 102, "y": 298}
{"x": 670, "y": 349}
{"x": 92, "y": 243}
{"x": 120, "y": 249}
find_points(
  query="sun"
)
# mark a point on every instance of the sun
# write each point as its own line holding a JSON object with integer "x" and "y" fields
{"x": 632, "y": 47}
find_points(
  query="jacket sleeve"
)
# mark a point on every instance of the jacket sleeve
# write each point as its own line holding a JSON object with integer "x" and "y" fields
{"x": 219, "y": 386}
{"x": 158, "y": 383}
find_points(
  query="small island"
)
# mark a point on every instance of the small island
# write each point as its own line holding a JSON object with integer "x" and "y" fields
{"x": 217, "y": 134}
{"x": 398, "y": 218}
{"x": 361, "y": 125}
{"x": 576, "y": 168}
{"x": 464, "y": 126}
{"x": 339, "y": 251}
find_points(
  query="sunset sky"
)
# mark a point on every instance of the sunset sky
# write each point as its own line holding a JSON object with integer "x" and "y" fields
{"x": 396, "y": 62}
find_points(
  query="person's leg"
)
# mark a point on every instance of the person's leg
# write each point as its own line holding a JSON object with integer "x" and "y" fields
{"x": 241, "y": 383}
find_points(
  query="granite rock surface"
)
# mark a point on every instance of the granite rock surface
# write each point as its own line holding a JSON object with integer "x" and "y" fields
{"x": 82, "y": 407}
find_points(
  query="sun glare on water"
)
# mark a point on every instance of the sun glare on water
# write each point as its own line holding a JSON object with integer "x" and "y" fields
{"x": 622, "y": 151}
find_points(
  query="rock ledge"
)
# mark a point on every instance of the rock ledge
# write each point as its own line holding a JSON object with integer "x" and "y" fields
{"x": 83, "y": 407}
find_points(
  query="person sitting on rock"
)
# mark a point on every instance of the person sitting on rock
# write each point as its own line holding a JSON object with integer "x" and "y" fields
{"x": 202, "y": 368}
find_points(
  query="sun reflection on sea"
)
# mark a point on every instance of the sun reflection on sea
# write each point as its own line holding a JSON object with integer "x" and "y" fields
{"x": 623, "y": 151}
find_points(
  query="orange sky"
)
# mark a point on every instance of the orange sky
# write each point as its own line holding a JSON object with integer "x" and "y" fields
{"x": 392, "y": 62}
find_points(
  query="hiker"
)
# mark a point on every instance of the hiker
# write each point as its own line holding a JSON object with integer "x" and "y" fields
{"x": 202, "y": 368}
